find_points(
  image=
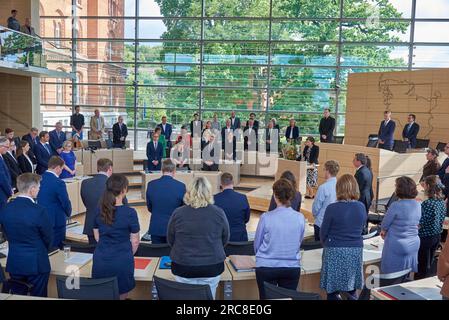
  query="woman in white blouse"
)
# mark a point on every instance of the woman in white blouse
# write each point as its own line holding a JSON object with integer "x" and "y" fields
{"x": 23, "y": 158}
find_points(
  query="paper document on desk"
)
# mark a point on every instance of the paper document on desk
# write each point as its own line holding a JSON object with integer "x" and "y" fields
{"x": 243, "y": 263}
{"x": 78, "y": 229}
{"x": 79, "y": 258}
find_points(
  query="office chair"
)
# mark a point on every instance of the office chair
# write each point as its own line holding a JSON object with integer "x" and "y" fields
{"x": 422, "y": 143}
{"x": 400, "y": 146}
{"x": 80, "y": 247}
{"x": 383, "y": 280}
{"x": 339, "y": 139}
{"x": 14, "y": 286}
{"x": 89, "y": 289}
{"x": 243, "y": 248}
{"x": 275, "y": 292}
{"x": 440, "y": 146}
{"x": 145, "y": 165}
{"x": 392, "y": 199}
{"x": 372, "y": 140}
{"x": 172, "y": 290}
{"x": 311, "y": 245}
{"x": 153, "y": 250}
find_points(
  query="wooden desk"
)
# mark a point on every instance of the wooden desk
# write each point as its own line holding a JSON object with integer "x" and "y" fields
{"x": 299, "y": 170}
{"x": 99, "y": 154}
{"x": 244, "y": 285}
{"x": 123, "y": 160}
{"x": 182, "y": 176}
{"x": 144, "y": 279}
{"x": 232, "y": 167}
{"x": 428, "y": 288}
{"x": 224, "y": 290}
{"x": 74, "y": 191}
{"x": 74, "y": 233}
{"x": 212, "y": 177}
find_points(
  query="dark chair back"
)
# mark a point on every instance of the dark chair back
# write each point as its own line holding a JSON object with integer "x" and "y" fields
{"x": 275, "y": 292}
{"x": 172, "y": 290}
{"x": 14, "y": 286}
{"x": 145, "y": 165}
{"x": 244, "y": 248}
{"x": 80, "y": 247}
{"x": 339, "y": 139}
{"x": 372, "y": 140}
{"x": 400, "y": 146}
{"x": 422, "y": 143}
{"x": 440, "y": 146}
{"x": 311, "y": 245}
{"x": 153, "y": 250}
{"x": 89, "y": 289}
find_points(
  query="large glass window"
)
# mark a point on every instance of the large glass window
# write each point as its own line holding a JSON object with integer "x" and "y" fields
{"x": 278, "y": 58}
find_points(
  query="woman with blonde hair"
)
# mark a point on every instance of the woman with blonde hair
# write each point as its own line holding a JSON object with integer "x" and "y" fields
{"x": 197, "y": 234}
{"x": 341, "y": 236}
{"x": 69, "y": 158}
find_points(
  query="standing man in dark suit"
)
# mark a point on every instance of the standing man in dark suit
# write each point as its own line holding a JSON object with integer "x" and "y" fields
{"x": 386, "y": 132}
{"x": 9, "y": 133}
{"x": 327, "y": 126}
{"x": 235, "y": 122}
{"x": 166, "y": 130}
{"x": 211, "y": 155}
{"x": 364, "y": 178}
{"x": 12, "y": 164}
{"x": 119, "y": 133}
{"x": 292, "y": 131}
{"x": 43, "y": 153}
{"x": 228, "y": 141}
{"x": 164, "y": 195}
{"x": 5, "y": 178}
{"x": 91, "y": 192}
{"x": 53, "y": 196}
{"x": 236, "y": 207}
{"x": 252, "y": 116}
{"x": 196, "y": 126}
{"x": 57, "y": 138}
{"x": 33, "y": 139}
{"x": 250, "y": 141}
{"x": 29, "y": 231}
{"x": 410, "y": 131}
{"x": 154, "y": 153}
{"x": 77, "y": 123}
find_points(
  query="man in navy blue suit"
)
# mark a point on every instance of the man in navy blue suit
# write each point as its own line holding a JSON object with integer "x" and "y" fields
{"x": 33, "y": 139}
{"x": 43, "y": 152}
{"x": 386, "y": 132}
{"x": 410, "y": 131}
{"x": 53, "y": 196}
{"x": 235, "y": 121}
{"x": 292, "y": 131}
{"x": 154, "y": 153}
{"x": 166, "y": 130}
{"x": 236, "y": 207}
{"x": 164, "y": 195}
{"x": 57, "y": 138}
{"x": 29, "y": 230}
{"x": 5, "y": 177}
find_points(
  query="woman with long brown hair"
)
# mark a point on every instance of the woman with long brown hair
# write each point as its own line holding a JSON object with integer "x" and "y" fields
{"x": 116, "y": 230}
{"x": 26, "y": 163}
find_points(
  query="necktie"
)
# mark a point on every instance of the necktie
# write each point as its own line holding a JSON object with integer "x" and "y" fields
{"x": 409, "y": 127}
{"x": 47, "y": 148}
{"x": 155, "y": 145}
{"x": 291, "y": 133}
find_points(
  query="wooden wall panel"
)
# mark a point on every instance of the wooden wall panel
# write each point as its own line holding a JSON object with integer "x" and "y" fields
{"x": 423, "y": 92}
{"x": 15, "y": 103}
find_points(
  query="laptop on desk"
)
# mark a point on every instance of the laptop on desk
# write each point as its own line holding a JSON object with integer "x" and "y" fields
{"x": 400, "y": 293}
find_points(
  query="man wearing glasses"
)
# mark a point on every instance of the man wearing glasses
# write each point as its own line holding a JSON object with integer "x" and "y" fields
{"x": 5, "y": 177}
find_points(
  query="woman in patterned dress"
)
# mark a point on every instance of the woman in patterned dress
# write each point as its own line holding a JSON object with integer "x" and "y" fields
{"x": 310, "y": 154}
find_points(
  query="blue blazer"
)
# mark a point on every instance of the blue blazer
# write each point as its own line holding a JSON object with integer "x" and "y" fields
{"x": 236, "y": 207}
{"x": 42, "y": 157}
{"x": 168, "y": 131}
{"x": 56, "y": 140}
{"x": 236, "y": 123}
{"x": 154, "y": 154}
{"x": 5, "y": 183}
{"x": 295, "y": 132}
{"x": 29, "y": 231}
{"x": 164, "y": 195}
{"x": 386, "y": 133}
{"x": 54, "y": 197}
{"x": 411, "y": 134}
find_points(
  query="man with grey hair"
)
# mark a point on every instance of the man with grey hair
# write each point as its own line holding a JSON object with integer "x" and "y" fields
{"x": 5, "y": 177}
{"x": 163, "y": 195}
{"x": 96, "y": 126}
{"x": 57, "y": 139}
{"x": 29, "y": 231}
{"x": 119, "y": 133}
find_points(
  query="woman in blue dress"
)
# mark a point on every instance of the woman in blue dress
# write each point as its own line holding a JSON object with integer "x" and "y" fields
{"x": 70, "y": 160}
{"x": 400, "y": 229}
{"x": 116, "y": 230}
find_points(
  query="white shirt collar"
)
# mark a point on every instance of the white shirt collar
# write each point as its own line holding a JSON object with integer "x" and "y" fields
{"x": 24, "y": 196}
{"x": 103, "y": 173}
{"x": 359, "y": 168}
{"x": 53, "y": 173}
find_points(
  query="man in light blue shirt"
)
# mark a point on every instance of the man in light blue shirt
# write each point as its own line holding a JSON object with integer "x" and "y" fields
{"x": 326, "y": 195}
